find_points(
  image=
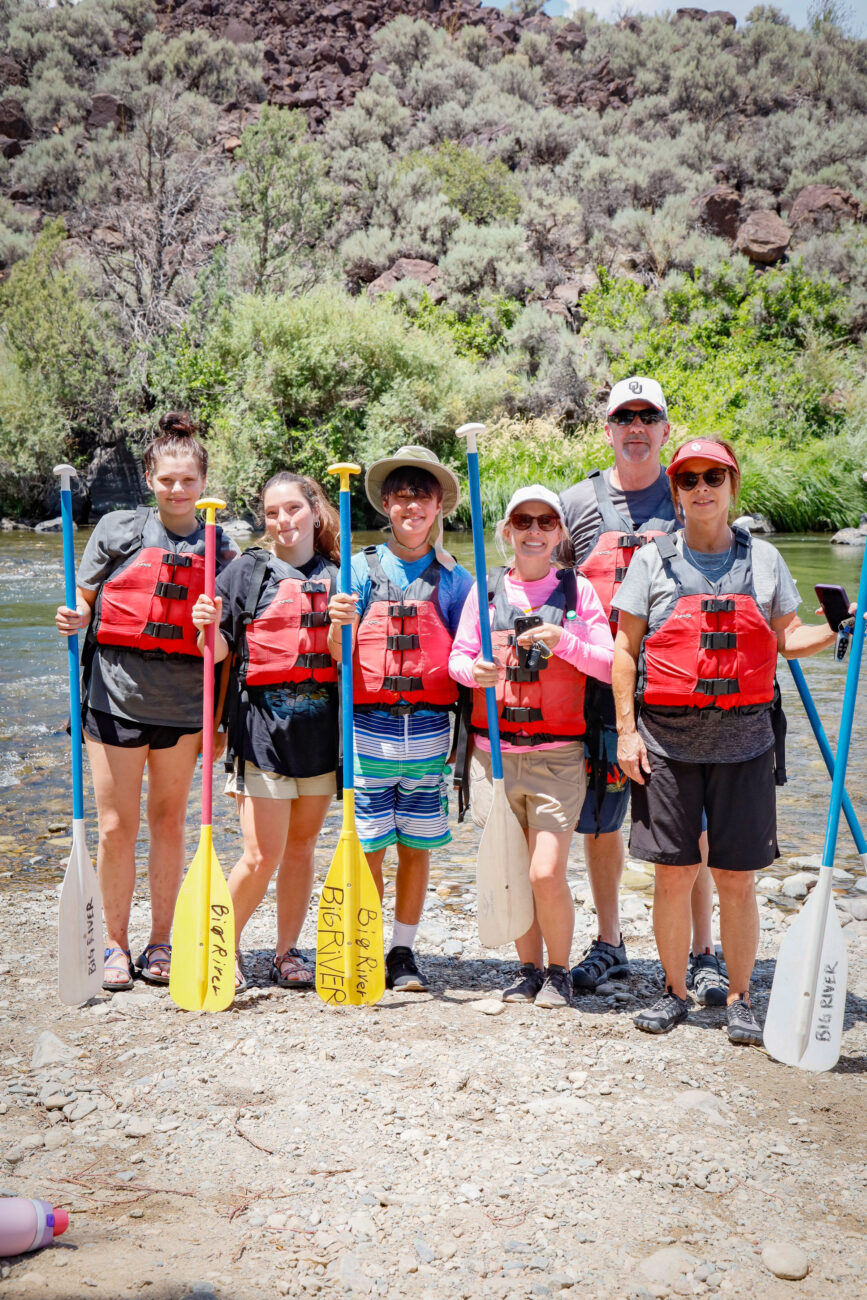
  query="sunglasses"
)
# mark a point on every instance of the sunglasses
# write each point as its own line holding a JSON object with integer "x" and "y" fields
{"x": 646, "y": 416}
{"x": 524, "y": 523}
{"x": 688, "y": 481}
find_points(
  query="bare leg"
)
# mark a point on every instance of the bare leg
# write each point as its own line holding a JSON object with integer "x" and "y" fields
{"x": 170, "y": 775}
{"x": 375, "y": 861}
{"x": 265, "y": 828}
{"x": 605, "y": 857}
{"x": 739, "y": 925}
{"x": 701, "y": 904}
{"x": 117, "y": 777}
{"x": 529, "y": 946}
{"x": 555, "y": 910}
{"x": 671, "y": 921}
{"x": 295, "y": 878}
{"x": 413, "y": 870}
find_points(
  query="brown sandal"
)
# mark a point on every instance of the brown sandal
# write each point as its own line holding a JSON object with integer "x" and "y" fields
{"x": 290, "y": 970}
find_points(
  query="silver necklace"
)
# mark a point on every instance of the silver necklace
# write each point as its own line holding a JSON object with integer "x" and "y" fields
{"x": 714, "y": 568}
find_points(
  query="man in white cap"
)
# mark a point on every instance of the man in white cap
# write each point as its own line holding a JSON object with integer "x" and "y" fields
{"x": 610, "y": 514}
{"x": 407, "y": 597}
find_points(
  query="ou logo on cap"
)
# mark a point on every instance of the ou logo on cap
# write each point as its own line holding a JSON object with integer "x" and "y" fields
{"x": 696, "y": 446}
{"x": 635, "y": 387}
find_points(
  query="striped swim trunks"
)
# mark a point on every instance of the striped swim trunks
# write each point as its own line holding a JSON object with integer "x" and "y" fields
{"x": 400, "y": 780}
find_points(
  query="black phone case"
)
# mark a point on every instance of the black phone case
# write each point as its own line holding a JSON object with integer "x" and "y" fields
{"x": 834, "y": 602}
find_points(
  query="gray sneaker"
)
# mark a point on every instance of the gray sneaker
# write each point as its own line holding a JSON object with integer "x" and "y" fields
{"x": 526, "y": 984}
{"x": 600, "y": 962}
{"x": 708, "y": 978}
{"x": 662, "y": 1017}
{"x": 742, "y": 1025}
{"x": 557, "y": 989}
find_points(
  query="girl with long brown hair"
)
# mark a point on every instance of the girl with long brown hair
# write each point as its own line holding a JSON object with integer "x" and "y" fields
{"x": 271, "y": 610}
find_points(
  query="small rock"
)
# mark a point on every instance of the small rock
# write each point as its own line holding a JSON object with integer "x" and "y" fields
{"x": 786, "y": 1260}
{"x": 139, "y": 1126}
{"x": 842, "y": 877}
{"x": 50, "y": 526}
{"x": 858, "y": 908}
{"x": 80, "y": 1109}
{"x": 51, "y": 1050}
{"x": 56, "y": 1138}
{"x": 453, "y": 948}
{"x": 426, "y": 1253}
{"x": 489, "y": 1007}
{"x": 562, "y": 1104}
{"x": 667, "y": 1266}
{"x": 798, "y": 886}
{"x": 768, "y": 885}
{"x": 470, "y": 1191}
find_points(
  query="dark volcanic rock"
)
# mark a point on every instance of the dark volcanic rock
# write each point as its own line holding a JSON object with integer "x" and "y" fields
{"x": 108, "y": 110}
{"x": 405, "y": 268}
{"x": 822, "y": 208}
{"x": 718, "y": 210}
{"x": 114, "y": 480}
{"x": 764, "y": 237}
{"x": 13, "y": 122}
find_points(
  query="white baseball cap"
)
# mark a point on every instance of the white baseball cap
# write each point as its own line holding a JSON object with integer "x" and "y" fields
{"x": 535, "y": 492}
{"x": 636, "y": 388}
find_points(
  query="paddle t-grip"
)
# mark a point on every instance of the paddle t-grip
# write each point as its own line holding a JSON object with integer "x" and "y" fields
{"x": 469, "y": 432}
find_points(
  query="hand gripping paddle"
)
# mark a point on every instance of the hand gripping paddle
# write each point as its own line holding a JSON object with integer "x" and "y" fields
{"x": 80, "y": 934}
{"x": 804, "y": 1024}
{"x": 350, "y": 965}
{"x": 202, "y": 975}
{"x": 503, "y": 891}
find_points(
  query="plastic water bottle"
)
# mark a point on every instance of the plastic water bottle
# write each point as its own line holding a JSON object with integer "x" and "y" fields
{"x": 28, "y": 1224}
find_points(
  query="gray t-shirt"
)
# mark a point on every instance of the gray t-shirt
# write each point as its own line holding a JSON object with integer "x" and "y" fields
{"x": 705, "y": 735}
{"x": 161, "y": 692}
{"x": 582, "y": 511}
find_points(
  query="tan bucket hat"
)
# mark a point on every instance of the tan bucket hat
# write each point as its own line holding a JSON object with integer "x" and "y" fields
{"x": 412, "y": 458}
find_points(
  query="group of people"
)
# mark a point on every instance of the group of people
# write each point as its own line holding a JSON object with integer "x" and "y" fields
{"x": 635, "y": 635}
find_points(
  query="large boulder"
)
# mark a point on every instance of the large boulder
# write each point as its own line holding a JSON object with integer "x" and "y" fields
{"x": 718, "y": 210}
{"x": 763, "y": 238}
{"x": 852, "y": 536}
{"x": 412, "y": 268}
{"x": 114, "y": 480}
{"x": 13, "y": 120}
{"x": 107, "y": 110}
{"x": 822, "y": 208}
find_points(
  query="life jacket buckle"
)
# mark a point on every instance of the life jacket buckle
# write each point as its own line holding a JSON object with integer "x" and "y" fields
{"x": 164, "y": 631}
{"x": 313, "y": 588}
{"x": 403, "y": 611}
{"x": 719, "y": 640}
{"x": 315, "y": 618}
{"x": 717, "y": 686}
{"x": 171, "y": 591}
{"x": 408, "y": 642}
{"x": 175, "y": 560}
{"x": 521, "y": 715}
{"x": 314, "y": 661}
{"x": 402, "y": 683}
{"x": 717, "y": 604}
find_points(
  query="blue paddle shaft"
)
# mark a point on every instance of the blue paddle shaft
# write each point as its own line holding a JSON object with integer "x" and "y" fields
{"x": 846, "y": 718}
{"x": 346, "y": 640}
{"x": 825, "y": 749}
{"x": 484, "y": 616}
{"x": 72, "y": 656}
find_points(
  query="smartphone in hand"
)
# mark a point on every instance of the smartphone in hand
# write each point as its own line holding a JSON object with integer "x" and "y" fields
{"x": 835, "y": 604}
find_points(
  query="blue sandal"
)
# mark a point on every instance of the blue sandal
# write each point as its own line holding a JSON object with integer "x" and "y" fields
{"x": 155, "y": 954}
{"x": 117, "y": 961}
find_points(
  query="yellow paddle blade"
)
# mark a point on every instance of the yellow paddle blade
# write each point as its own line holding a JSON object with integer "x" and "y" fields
{"x": 350, "y": 964}
{"x": 202, "y": 976}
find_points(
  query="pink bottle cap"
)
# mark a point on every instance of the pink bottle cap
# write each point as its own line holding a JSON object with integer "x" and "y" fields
{"x": 61, "y": 1222}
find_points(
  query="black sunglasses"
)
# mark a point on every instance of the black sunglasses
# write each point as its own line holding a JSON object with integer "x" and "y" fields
{"x": 688, "y": 480}
{"x": 646, "y": 415}
{"x": 524, "y": 523}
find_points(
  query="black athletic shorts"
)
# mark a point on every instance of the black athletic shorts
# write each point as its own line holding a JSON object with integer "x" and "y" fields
{"x": 110, "y": 730}
{"x": 740, "y": 800}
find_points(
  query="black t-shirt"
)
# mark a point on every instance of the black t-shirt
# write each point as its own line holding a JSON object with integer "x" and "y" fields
{"x": 279, "y": 729}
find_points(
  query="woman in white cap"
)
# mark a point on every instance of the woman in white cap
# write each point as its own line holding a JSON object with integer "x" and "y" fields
{"x": 407, "y": 596}
{"x": 549, "y": 632}
{"x": 703, "y": 614}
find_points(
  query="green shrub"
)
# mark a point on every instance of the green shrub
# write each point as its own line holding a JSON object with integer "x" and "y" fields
{"x": 482, "y": 190}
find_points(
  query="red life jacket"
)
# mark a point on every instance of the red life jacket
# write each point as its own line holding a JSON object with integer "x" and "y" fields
{"x": 403, "y": 644}
{"x": 534, "y": 707}
{"x": 613, "y": 547}
{"x": 714, "y": 648}
{"x": 147, "y": 602}
{"x": 288, "y": 641}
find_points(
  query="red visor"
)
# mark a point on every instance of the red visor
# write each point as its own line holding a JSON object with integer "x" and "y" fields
{"x": 701, "y": 449}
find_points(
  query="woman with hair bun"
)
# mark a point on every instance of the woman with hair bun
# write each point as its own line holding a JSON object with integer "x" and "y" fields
{"x": 142, "y": 689}
{"x": 271, "y": 610}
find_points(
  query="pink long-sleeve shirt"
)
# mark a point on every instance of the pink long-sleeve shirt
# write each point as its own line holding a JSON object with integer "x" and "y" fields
{"x": 586, "y": 642}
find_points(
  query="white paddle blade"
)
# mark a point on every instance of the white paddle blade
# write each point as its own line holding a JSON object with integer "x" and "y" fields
{"x": 505, "y": 897}
{"x": 80, "y": 934}
{"x": 804, "y": 1024}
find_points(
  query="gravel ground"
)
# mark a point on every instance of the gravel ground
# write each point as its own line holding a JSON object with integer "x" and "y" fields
{"x": 435, "y": 1145}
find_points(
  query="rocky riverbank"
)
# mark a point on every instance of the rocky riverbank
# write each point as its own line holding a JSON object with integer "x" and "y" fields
{"x": 434, "y": 1145}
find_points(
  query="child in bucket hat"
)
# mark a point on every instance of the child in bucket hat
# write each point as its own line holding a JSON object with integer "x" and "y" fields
{"x": 406, "y": 601}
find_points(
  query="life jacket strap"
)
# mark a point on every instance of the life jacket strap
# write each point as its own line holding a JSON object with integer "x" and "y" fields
{"x": 408, "y": 642}
{"x": 516, "y": 674}
{"x": 315, "y": 618}
{"x": 313, "y": 588}
{"x": 176, "y": 560}
{"x": 402, "y": 683}
{"x": 402, "y": 611}
{"x": 314, "y": 661}
{"x": 164, "y": 631}
{"x": 719, "y": 640}
{"x": 521, "y": 715}
{"x": 171, "y": 591}
{"x": 717, "y": 604}
{"x": 717, "y": 686}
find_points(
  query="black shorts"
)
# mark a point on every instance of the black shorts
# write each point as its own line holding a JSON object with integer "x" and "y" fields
{"x": 740, "y": 800}
{"x": 125, "y": 734}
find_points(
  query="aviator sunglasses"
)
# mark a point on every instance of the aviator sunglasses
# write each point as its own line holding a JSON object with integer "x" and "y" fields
{"x": 524, "y": 523}
{"x": 647, "y": 416}
{"x": 688, "y": 480}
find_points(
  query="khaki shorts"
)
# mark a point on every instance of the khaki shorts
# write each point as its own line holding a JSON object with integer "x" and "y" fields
{"x": 271, "y": 785}
{"x": 545, "y": 789}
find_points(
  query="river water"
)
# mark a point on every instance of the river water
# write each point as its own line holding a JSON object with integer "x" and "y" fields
{"x": 35, "y": 795}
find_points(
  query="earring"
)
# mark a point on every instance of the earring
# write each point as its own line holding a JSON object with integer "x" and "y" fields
{"x": 316, "y": 523}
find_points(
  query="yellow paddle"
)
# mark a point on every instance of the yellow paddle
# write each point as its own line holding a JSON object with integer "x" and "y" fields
{"x": 350, "y": 966}
{"x": 202, "y": 976}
